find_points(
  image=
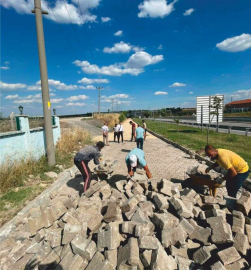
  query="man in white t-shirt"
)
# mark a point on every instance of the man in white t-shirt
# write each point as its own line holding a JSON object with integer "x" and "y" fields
{"x": 120, "y": 132}
{"x": 105, "y": 131}
{"x": 144, "y": 125}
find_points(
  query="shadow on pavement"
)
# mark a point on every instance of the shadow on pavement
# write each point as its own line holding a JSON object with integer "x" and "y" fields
{"x": 34, "y": 265}
{"x": 75, "y": 183}
{"x": 125, "y": 150}
{"x": 115, "y": 178}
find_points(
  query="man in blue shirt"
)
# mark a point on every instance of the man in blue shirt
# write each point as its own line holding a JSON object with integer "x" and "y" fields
{"x": 140, "y": 136}
{"x": 133, "y": 159}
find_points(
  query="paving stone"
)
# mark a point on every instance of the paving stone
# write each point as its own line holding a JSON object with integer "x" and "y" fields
{"x": 217, "y": 266}
{"x": 96, "y": 187}
{"x": 180, "y": 207}
{"x": 130, "y": 214}
{"x": 84, "y": 247}
{"x": 248, "y": 220}
{"x": 244, "y": 203}
{"x": 239, "y": 265}
{"x": 203, "y": 254}
{"x": 248, "y": 232}
{"x": 70, "y": 219}
{"x": 96, "y": 262}
{"x": 144, "y": 229}
{"x": 50, "y": 261}
{"x": 113, "y": 212}
{"x": 66, "y": 261}
{"x": 229, "y": 255}
{"x": 165, "y": 220}
{"x": 201, "y": 234}
{"x": 130, "y": 204}
{"x": 196, "y": 211}
{"x": 166, "y": 187}
{"x": 139, "y": 216}
{"x": 18, "y": 252}
{"x": 129, "y": 254}
{"x": 137, "y": 189}
{"x": 160, "y": 260}
{"x": 185, "y": 264}
{"x": 181, "y": 252}
{"x": 241, "y": 243}
{"x": 146, "y": 257}
{"x": 111, "y": 256}
{"x": 70, "y": 231}
{"x": 109, "y": 237}
{"x": 161, "y": 201}
{"x": 221, "y": 230}
{"x": 54, "y": 237}
{"x": 147, "y": 207}
{"x": 129, "y": 227}
{"x": 238, "y": 222}
{"x": 148, "y": 242}
{"x": 173, "y": 236}
{"x": 20, "y": 264}
{"x": 120, "y": 185}
{"x": 186, "y": 226}
{"x": 40, "y": 235}
{"x": 34, "y": 247}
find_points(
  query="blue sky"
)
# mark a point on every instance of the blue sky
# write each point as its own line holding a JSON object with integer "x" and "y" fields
{"x": 145, "y": 53}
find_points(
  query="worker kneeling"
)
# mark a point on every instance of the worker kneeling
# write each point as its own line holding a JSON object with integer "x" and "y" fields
{"x": 83, "y": 157}
{"x": 237, "y": 167}
{"x": 135, "y": 158}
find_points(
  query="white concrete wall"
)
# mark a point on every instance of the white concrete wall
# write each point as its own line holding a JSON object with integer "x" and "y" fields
{"x": 26, "y": 143}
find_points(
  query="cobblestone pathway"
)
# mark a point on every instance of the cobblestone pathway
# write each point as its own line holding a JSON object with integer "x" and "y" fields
{"x": 164, "y": 160}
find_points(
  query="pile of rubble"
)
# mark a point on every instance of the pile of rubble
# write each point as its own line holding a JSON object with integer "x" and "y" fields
{"x": 139, "y": 224}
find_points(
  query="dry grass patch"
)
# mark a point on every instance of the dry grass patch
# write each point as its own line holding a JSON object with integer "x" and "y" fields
{"x": 111, "y": 118}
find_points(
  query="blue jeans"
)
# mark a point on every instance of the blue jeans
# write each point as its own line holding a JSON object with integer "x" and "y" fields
{"x": 140, "y": 142}
{"x": 233, "y": 185}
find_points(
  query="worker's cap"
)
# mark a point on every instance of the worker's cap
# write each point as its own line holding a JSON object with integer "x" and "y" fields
{"x": 133, "y": 161}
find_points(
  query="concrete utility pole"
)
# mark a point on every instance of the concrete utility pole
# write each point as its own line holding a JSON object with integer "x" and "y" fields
{"x": 50, "y": 149}
{"x": 99, "y": 88}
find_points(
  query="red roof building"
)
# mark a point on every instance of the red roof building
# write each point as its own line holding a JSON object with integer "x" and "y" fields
{"x": 239, "y": 105}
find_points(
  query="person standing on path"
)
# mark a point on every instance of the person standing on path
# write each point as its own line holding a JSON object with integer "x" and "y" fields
{"x": 135, "y": 158}
{"x": 120, "y": 132}
{"x": 105, "y": 131}
{"x": 83, "y": 157}
{"x": 140, "y": 136}
{"x": 144, "y": 125}
{"x": 115, "y": 130}
{"x": 133, "y": 130}
{"x": 236, "y": 166}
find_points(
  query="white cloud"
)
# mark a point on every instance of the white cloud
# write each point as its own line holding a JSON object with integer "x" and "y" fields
{"x": 56, "y": 100}
{"x": 158, "y": 93}
{"x": 160, "y": 47}
{"x": 52, "y": 95}
{"x": 75, "y": 104}
{"x": 88, "y": 87}
{"x": 75, "y": 98}
{"x": 59, "y": 9}
{"x": 177, "y": 84}
{"x": 11, "y": 86}
{"x": 59, "y": 85}
{"x": 11, "y": 97}
{"x": 90, "y": 81}
{"x": 5, "y": 68}
{"x": 235, "y": 44}
{"x": 118, "y": 33}
{"x": 34, "y": 87}
{"x": 155, "y": 8}
{"x": 34, "y": 96}
{"x": 134, "y": 65}
{"x": 188, "y": 12}
{"x": 27, "y": 101}
{"x": 142, "y": 59}
{"x": 190, "y": 93}
{"x": 119, "y": 96}
{"x": 178, "y": 90}
{"x": 121, "y": 47}
{"x": 244, "y": 93}
{"x": 105, "y": 19}
{"x": 116, "y": 99}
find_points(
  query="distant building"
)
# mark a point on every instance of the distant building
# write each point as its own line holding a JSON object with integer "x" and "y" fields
{"x": 239, "y": 106}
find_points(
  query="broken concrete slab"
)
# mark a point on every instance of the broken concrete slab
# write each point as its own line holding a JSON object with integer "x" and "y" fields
{"x": 229, "y": 255}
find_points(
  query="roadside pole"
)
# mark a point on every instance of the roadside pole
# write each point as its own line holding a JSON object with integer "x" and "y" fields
{"x": 99, "y": 88}
{"x": 50, "y": 149}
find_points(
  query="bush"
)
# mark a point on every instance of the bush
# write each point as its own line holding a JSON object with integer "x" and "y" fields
{"x": 232, "y": 138}
{"x": 122, "y": 117}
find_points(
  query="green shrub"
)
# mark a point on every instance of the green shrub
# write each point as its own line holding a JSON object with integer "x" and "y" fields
{"x": 232, "y": 138}
{"x": 122, "y": 117}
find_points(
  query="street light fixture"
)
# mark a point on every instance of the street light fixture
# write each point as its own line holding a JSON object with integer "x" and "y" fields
{"x": 54, "y": 111}
{"x": 21, "y": 109}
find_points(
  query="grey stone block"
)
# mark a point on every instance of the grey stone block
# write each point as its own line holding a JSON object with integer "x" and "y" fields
{"x": 165, "y": 220}
{"x": 201, "y": 234}
{"x": 130, "y": 204}
{"x": 161, "y": 201}
{"x": 180, "y": 207}
{"x": 244, "y": 203}
{"x": 248, "y": 232}
{"x": 181, "y": 252}
{"x": 146, "y": 257}
{"x": 86, "y": 248}
{"x": 239, "y": 265}
{"x": 111, "y": 256}
{"x": 229, "y": 255}
{"x": 186, "y": 226}
{"x": 109, "y": 237}
{"x": 217, "y": 266}
{"x": 221, "y": 230}
{"x": 173, "y": 236}
{"x": 148, "y": 242}
{"x": 113, "y": 212}
{"x": 203, "y": 254}
{"x": 241, "y": 243}
{"x": 238, "y": 222}
{"x": 129, "y": 254}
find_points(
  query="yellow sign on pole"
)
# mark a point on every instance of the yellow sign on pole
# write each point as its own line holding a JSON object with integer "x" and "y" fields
{"x": 49, "y": 105}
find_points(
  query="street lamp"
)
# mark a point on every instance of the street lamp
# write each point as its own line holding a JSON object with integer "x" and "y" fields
{"x": 54, "y": 111}
{"x": 21, "y": 109}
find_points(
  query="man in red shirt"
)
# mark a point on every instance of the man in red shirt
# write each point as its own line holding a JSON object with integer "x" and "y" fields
{"x": 133, "y": 130}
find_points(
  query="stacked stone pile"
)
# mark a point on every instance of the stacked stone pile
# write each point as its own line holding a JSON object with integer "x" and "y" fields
{"x": 139, "y": 224}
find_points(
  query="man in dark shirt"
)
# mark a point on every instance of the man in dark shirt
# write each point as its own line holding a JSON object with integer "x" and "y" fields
{"x": 133, "y": 130}
{"x": 83, "y": 157}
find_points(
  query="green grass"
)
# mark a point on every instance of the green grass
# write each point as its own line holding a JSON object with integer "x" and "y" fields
{"x": 195, "y": 139}
{"x": 239, "y": 114}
